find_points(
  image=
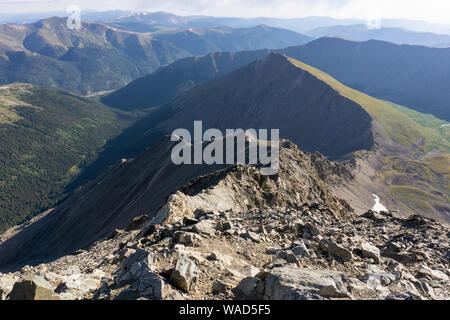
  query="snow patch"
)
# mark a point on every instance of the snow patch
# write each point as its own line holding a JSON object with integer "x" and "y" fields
{"x": 378, "y": 207}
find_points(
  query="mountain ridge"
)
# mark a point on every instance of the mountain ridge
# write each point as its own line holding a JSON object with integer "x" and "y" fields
{"x": 100, "y": 58}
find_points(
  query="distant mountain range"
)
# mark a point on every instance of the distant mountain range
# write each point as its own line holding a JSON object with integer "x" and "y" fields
{"x": 302, "y": 25}
{"x": 102, "y": 58}
{"x": 360, "y": 32}
{"x": 413, "y": 76}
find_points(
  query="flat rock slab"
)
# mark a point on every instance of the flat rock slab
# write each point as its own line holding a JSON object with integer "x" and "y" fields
{"x": 291, "y": 283}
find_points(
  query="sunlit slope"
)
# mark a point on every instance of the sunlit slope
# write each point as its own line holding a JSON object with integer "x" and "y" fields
{"x": 403, "y": 126}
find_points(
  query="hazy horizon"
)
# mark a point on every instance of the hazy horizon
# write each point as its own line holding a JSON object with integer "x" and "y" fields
{"x": 433, "y": 11}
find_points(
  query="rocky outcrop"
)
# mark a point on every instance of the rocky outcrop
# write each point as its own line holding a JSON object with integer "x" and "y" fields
{"x": 212, "y": 256}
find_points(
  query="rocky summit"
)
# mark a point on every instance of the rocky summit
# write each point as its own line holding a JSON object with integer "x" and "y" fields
{"x": 295, "y": 252}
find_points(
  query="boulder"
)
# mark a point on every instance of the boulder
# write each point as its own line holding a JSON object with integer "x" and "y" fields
{"x": 290, "y": 283}
{"x": 300, "y": 250}
{"x": 370, "y": 251}
{"x": 337, "y": 250}
{"x": 250, "y": 288}
{"x": 250, "y": 271}
{"x": 205, "y": 226}
{"x": 33, "y": 288}
{"x": 138, "y": 271}
{"x": 185, "y": 273}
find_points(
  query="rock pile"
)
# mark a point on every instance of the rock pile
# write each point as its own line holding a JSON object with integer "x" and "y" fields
{"x": 307, "y": 252}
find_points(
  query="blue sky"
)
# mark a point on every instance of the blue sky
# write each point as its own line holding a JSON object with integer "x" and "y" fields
{"x": 429, "y": 10}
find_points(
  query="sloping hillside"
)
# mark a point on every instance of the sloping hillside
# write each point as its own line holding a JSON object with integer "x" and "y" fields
{"x": 412, "y": 76}
{"x": 199, "y": 41}
{"x": 46, "y": 138}
{"x": 163, "y": 85}
{"x": 101, "y": 58}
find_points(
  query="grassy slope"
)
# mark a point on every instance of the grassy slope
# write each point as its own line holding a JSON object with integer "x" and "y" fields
{"x": 43, "y": 149}
{"x": 419, "y": 184}
{"x": 400, "y": 125}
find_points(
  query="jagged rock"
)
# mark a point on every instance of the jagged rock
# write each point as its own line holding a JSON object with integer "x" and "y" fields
{"x": 434, "y": 274}
{"x": 300, "y": 250}
{"x": 250, "y": 271}
{"x": 138, "y": 271}
{"x": 205, "y": 226}
{"x": 187, "y": 221}
{"x": 33, "y": 288}
{"x": 290, "y": 257}
{"x": 252, "y": 236}
{"x": 186, "y": 238}
{"x": 370, "y": 251}
{"x": 136, "y": 266}
{"x": 288, "y": 283}
{"x": 185, "y": 273}
{"x": 309, "y": 228}
{"x": 337, "y": 250}
{"x": 250, "y": 288}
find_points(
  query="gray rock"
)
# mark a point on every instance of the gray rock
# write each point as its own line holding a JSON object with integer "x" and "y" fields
{"x": 205, "y": 227}
{"x": 185, "y": 273}
{"x": 300, "y": 250}
{"x": 434, "y": 274}
{"x": 337, "y": 250}
{"x": 370, "y": 251}
{"x": 290, "y": 283}
{"x": 250, "y": 271}
{"x": 252, "y": 236}
{"x": 290, "y": 257}
{"x": 251, "y": 288}
{"x": 33, "y": 288}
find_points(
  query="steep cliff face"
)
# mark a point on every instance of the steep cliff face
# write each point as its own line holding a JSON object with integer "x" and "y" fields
{"x": 142, "y": 185}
